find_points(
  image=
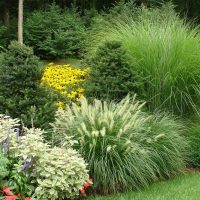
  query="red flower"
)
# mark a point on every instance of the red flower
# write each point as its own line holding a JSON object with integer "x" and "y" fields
{"x": 13, "y": 197}
{"x": 7, "y": 191}
{"x": 86, "y": 185}
{"x": 18, "y": 194}
{"x": 27, "y": 198}
{"x": 82, "y": 191}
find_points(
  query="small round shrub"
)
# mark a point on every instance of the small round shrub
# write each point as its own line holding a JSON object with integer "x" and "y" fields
{"x": 61, "y": 174}
{"x": 62, "y": 39}
{"x": 125, "y": 148}
{"x": 111, "y": 76}
{"x": 21, "y": 95}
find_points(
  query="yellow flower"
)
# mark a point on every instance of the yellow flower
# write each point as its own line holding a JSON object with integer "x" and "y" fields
{"x": 60, "y": 105}
{"x": 66, "y": 79}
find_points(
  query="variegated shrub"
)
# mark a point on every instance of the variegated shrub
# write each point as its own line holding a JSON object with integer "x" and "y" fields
{"x": 53, "y": 172}
{"x": 7, "y": 125}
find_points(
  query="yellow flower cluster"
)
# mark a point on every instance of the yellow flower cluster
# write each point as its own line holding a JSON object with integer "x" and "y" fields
{"x": 65, "y": 79}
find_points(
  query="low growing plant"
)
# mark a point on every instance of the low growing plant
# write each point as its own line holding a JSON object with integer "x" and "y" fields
{"x": 125, "y": 148}
{"x": 4, "y": 169}
{"x": 57, "y": 173}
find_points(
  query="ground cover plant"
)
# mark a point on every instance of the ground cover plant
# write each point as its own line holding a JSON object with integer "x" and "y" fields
{"x": 164, "y": 51}
{"x": 113, "y": 137}
{"x": 4, "y": 172}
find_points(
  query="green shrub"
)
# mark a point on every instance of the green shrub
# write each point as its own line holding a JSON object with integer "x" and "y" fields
{"x": 193, "y": 136}
{"x": 20, "y": 93}
{"x": 111, "y": 76}
{"x": 124, "y": 147}
{"x": 164, "y": 51}
{"x": 3, "y": 34}
{"x": 58, "y": 34}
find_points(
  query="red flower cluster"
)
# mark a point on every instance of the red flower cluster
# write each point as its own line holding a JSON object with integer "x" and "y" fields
{"x": 10, "y": 196}
{"x": 85, "y": 186}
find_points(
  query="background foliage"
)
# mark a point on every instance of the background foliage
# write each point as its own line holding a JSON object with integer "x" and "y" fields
{"x": 58, "y": 33}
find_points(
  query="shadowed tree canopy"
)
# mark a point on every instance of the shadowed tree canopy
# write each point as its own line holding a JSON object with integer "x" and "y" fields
{"x": 191, "y": 7}
{"x": 9, "y": 10}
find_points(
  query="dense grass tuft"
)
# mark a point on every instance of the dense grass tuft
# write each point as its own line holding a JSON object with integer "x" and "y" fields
{"x": 125, "y": 148}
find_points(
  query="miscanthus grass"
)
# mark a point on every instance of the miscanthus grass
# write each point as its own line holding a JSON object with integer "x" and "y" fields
{"x": 165, "y": 52}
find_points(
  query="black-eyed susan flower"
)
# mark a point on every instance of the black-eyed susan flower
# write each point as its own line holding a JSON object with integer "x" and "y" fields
{"x": 65, "y": 79}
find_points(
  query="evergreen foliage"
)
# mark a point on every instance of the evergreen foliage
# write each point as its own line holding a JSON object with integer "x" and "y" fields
{"x": 111, "y": 76}
{"x": 57, "y": 35}
{"x": 21, "y": 95}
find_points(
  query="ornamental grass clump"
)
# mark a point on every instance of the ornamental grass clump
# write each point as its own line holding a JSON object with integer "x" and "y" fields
{"x": 164, "y": 50}
{"x": 193, "y": 136}
{"x": 125, "y": 148}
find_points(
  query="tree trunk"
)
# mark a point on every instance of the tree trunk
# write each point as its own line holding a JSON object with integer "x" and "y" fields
{"x": 6, "y": 17}
{"x": 20, "y": 22}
